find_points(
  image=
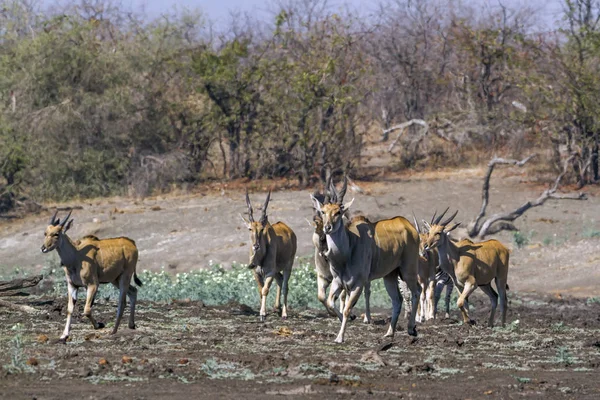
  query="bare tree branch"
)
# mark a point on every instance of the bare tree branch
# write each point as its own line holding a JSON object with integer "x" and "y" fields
{"x": 501, "y": 221}
{"x": 20, "y": 283}
{"x": 486, "y": 187}
{"x": 402, "y": 127}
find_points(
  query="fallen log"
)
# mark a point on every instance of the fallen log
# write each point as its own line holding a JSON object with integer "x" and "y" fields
{"x": 16, "y": 284}
{"x": 18, "y": 307}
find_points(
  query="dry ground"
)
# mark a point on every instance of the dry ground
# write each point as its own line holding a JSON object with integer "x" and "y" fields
{"x": 551, "y": 349}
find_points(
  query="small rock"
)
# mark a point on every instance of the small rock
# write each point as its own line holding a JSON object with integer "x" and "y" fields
{"x": 385, "y": 346}
{"x": 183, "y": 361}
{"x": 283, "y": 331}
{"x": 32, "y": 361}
{"x": 372, "y": 357}
{"x": 42, "y": 338}
{"x": 103, "y": 361}
{"x": 126, "y": 360}
{"x": 424, "y": 368}
{"x": 244, "y": 309}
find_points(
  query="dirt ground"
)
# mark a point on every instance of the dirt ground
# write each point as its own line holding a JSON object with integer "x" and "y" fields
{"x": 550, "y": 349}
{"x": 185, "y": 232}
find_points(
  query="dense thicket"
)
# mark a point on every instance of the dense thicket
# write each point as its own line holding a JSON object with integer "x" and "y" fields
{"x": 97, "y": 101}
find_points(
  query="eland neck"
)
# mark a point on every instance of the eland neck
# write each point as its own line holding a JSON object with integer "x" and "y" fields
{"x": 448, "y": 253}
{"x": 67, "y": 251}
{"x": 338, "y": 246}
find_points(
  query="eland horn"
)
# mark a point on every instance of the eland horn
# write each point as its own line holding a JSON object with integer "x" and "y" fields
{"x": 250, "y": 215}
{"x": 64, "y": 221}
{"x": 439, "y": 218}
{"x": 263, "y": 217}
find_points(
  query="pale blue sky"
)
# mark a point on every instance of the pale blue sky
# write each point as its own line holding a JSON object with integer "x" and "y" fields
{"x": 219, "y": 10}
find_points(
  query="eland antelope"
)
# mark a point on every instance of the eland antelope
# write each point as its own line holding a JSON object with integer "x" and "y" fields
{"x": 470, "y": 265}
{"x": 272, "y": 252}
{"x": 361, "y": 251}
{"x": 90, "y": 262}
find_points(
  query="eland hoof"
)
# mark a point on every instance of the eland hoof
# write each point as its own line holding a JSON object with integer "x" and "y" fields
{"x": 412, "y": 332}
{"x": 101, "y": 325}
{"x": 263, "y": 318}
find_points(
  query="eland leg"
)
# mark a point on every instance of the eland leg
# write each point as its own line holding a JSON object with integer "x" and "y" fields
{"x": 72, "y": 300}
{"x": 260, "y": 282}
{"x": 489, "y": 290}
{"x": 132, "y": 293}
{"x": 92, "y": 288}
{"x": 322, "y": 285}
{"x": 351, "y": 299}
{"x": 367, "y": 319}
{"x": 449, "y": 290}
{"x": 334, "y": 292}
{"x": 263, "y": 299}
{"x": 278, "y": 278}
{"x": 501, "y": 286}
{"x": 422, "y": 308}
{"x": 429, "y": 300}
{"x": 391, "y": 286}
{"x": 284, "y": 290}
{"x": 405, "y": 296}
{"x": 123, "y": 283}
{"x": 462, "y": 303}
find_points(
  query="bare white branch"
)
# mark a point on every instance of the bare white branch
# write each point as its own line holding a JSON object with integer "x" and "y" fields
{"x": 402, "y": 127}
{"x": 486, "y": 187}
{"x": 502, "y": 221}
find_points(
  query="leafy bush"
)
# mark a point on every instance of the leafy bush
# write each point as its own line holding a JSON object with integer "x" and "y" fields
{"x": 17, "y": 363}
{"x": 520, "y": 239}
{"x": 216, "y": 285}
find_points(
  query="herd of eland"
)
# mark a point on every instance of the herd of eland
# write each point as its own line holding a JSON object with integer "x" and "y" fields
{"x": 415, "y": 262}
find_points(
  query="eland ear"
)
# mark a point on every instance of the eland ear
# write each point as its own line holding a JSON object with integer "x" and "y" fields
{"x": 245, "y": 221}
{"x": 312, "y": 224}
{"x": 316, "y": 203}
{"x": 453, "y": 227}
{"x": 348, "y": 205}
{"x": 427, "y": 226}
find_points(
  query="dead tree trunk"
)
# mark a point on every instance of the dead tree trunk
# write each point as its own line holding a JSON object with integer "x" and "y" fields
{"x": 10, "y": 286}
{"x": 482, "y": 226}
{"x": 13, "y": 288}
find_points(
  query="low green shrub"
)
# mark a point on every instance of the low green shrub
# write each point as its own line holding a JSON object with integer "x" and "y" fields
{"x": 216, "y": 285}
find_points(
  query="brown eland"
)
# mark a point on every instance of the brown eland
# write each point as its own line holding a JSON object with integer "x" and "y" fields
{"x": 272, "y": 252}
{"x": 90, "y": 262}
